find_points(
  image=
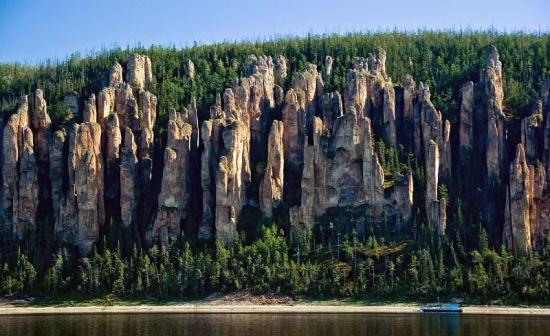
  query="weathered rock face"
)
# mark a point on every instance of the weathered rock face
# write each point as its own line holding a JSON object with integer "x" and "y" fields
{"x": 105, "y": 105}
{"x": 115, "y": 75}
{"x": 538, "y": 205}
{"x": 72, "y": 100}
{"x": 329, "y": 61}
{"x": 373, "y": 174}
{"x": 271, "y": 189}
{"x": 533, "y": 137}
{"x": 483, "y": 150}
{"x": 89, "y": 114}
{"x": 294, "y": 120}
{"x": 148, "y": 108}
{"x": 466, "y": 122}
{"x": 531, "y": 128}
{"x": 446, "y": 158}
{"x": 28, "y": 188}
{"x": 232, "y": 176}
{"x": 517, "y": 227}
{"x": 41, "y": 124}
{"x": 545, "y": 99}
{"x": 406, "y": 97}
{"x": 189, "y": 69}
{"x": 82, "y": 210}
{"x": 400, "y": 208}
{"x": 207, "y": 177}
{"x": 303, "y": 216}
{"x": 252, "y": 102}
{"x": 58, "y": 169}
{"x": 355, "y": 90}
{"x": 491, "y": 77}
{"x": 20, "y": 175}
{"x": 377, "y": 62}
{"x": 42, "y": 137}
{"x": 389, "y": 115}
{"x": 318, "y": 150}
{"x": 432, "y": 179}
{"x": 345, "y": 187}
{"x": 126, "y": 106}
{"x": 128, "y": 175}
{"x": 281, "y": 71}
{"x": 148, "y": 114}
{"x": 139, "y": 71}
{"x": 112, "y": 158}
{"x": 174, "y": 195}
{"x": 332, "y": 108}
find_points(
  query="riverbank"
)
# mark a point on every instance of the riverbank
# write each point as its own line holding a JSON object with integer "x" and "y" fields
{"x": 236, "y": 303}
{"x": 258, "y": 309}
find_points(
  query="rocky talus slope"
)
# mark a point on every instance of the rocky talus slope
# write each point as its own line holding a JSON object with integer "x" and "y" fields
{"x": 297, "y": 153}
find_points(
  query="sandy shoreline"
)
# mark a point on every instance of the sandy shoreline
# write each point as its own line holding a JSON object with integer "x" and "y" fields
{"x": 253, "y": 309}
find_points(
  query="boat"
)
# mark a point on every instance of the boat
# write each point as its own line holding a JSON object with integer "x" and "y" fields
{"x": 441, "y": 308}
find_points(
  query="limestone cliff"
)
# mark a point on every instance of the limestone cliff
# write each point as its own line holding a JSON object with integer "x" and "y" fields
{"x": 274, "y": 144}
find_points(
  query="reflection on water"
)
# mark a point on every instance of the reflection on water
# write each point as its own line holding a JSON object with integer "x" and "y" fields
{"x": 274, "y": 324}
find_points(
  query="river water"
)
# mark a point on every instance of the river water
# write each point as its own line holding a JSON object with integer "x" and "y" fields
{"x": 274, "y": 324}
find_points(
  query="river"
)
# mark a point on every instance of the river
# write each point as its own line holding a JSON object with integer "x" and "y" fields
{"x": 274, "y": 324}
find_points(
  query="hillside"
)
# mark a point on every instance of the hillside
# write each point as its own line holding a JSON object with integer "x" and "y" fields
{"x": 384, "y": 164}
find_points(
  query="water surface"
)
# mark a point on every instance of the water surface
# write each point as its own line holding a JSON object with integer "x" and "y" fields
{"x": 273, "y": 324}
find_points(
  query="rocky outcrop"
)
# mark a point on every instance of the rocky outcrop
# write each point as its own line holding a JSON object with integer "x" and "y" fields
{"x": 446, "y": 157}
{"x": 433, "y": 208}
{"x": 545, "y": 99}
{"x": 533, "y": 137}
{"x": 281, "y": 69}
{"x": 271, "y": 189}
{"x": 27, "y": 188}
{"x": 72, "y": 100}
{"x": 232, "y": 176}
{"x": 345, "y": 176}
{"x": 115, "y": 75}
{"x": 355, "y": 89}
{"x": 377, "y": 62}
{"x": 145, "y": 150}
{"x": 539, "y": 205}
{"x": 189, "y": 69}
{"x": 89, "y": 113}
{"x": 329, "y": 61}
{"x": 105, "y": 104}
{"x": 113, "y": 141}
{"x": 517, "y": 226}
{"x": 19, "y": 175}
{"x": 399, "y": 208}
{"x": 126, "y": 106}
{"x": 41, "y": 124}
{"x": 405, "y": 104}
{"x": 314, "y": 199}
{"x": 174, "y": 195}
{"x": 81, "y": 213}
{"x": 466, "y": 130}
{"x": 324, "y": 157}
{"x": 139, "y": 71}
{"x": 491, "y": 78}
{"x": 373, "y": 174}
{"x": 58, "y": 169}
{"x": 389, "y": 115}
{"x": 294, "y": 120}
{"x": 482, "y": 139}
{"x": 531, "y": 128}
{"x": 332, "y": 108}
{"x": 207, "y": 181}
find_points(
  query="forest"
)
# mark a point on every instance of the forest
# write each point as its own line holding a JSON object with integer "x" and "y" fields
{"x": 269, "y": 254}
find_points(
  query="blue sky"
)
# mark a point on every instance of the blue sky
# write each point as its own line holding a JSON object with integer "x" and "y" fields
{"x": 35, "y": 30}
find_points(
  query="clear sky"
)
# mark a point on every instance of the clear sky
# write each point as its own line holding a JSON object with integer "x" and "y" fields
{"x": 34, "y": 30}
